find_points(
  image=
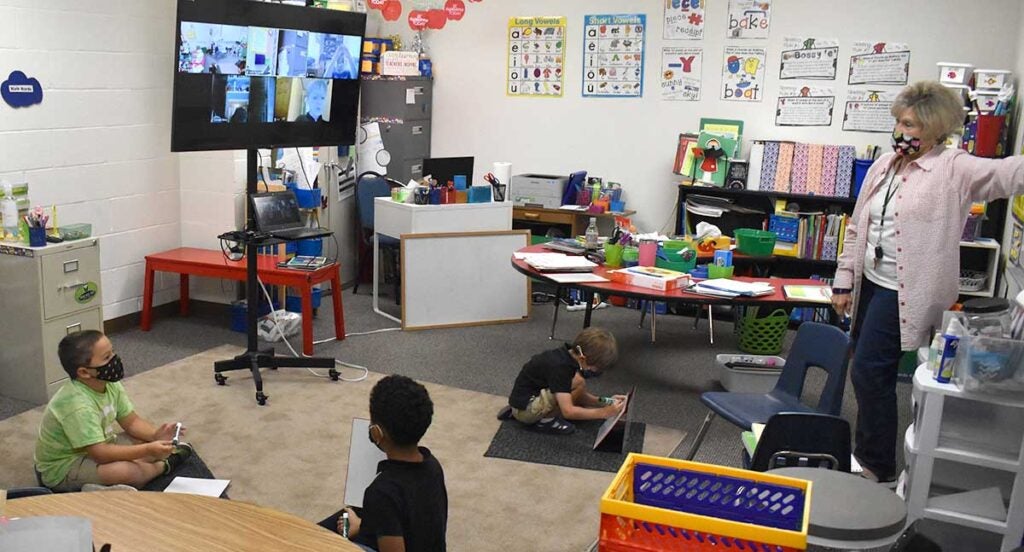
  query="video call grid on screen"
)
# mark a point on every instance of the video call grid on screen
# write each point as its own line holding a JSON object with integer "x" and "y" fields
{"x": 251, "y": 62}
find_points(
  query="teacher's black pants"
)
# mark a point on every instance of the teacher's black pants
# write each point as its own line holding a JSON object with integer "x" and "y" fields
{"x": 876, "y": 361}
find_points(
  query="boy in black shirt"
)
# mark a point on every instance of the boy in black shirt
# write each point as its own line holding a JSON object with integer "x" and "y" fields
{"x": 551, "y": 384}
{"x": 406, "y": 506}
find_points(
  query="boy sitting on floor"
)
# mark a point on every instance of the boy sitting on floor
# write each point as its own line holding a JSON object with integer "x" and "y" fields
{"x": 78, "y": 442}
{"x": 405, "y": 509}
{"x": 551, "y": 385}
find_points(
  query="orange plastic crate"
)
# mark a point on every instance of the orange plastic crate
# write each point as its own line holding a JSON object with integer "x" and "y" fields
{"x": 630, "y": 527}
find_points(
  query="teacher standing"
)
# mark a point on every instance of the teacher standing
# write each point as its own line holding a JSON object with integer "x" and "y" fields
{"x": 900, "y": 264}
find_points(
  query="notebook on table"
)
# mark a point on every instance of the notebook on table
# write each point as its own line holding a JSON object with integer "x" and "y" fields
{"x": 277, "y": 214}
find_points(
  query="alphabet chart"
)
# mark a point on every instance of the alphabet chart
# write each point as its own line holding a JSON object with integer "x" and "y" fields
{"x": 536, "y": 56}
{"x": 613, "y": 55}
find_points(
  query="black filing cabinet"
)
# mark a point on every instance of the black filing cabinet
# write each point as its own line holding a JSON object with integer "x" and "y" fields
{"x": 402, "y": 107}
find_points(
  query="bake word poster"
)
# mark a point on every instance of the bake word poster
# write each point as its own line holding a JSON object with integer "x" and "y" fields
{"x": 681, "y": 73}
{"x": 743, "y": 73}
{"x": 749, "y": 18}
{"x": 869, "y": 110}
{"x": 804, "y": 106}
{"x": 613, "y": 55}
{"x": 684, "y": 19}
{"x": 879, "y": 63}
{"x": 809, "y": 58}
{"x": 536, "y": 56}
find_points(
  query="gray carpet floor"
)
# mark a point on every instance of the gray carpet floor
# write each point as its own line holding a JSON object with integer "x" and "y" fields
{"x": 670, "y": 374}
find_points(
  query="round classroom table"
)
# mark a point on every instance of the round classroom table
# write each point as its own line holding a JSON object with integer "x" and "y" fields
{"x": 849, "y": 512}
{"x": 158, "y": 522}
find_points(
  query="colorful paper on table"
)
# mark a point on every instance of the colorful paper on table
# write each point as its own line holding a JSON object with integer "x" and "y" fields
{"x": 577, "y": 278}
{"x": 817, "y": 294}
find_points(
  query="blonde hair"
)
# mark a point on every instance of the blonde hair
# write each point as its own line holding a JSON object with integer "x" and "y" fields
{"x": 939, "y": 109}
{"x": 599, "y": 346}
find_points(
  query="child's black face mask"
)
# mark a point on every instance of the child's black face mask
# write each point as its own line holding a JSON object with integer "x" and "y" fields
{"x": 112, "y": 371}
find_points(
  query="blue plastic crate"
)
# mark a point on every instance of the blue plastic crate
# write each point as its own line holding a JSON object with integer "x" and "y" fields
{"x": 718, "y": 496}
{"x": 293, "y": 303}
{"x": 786, "y": 228}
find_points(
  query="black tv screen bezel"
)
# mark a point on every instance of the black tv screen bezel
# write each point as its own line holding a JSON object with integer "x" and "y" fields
{"x": 198, "y": 133}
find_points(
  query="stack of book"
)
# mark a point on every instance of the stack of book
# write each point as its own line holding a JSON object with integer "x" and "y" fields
{"x": 651, "y": 277}
{"x": 815, "y": 236}
{"x": 723, "y": 287}
{"x": 301, "y": 262}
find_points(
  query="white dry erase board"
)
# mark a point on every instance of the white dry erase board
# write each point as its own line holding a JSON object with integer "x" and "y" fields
{"x": 363, "y": 457}
{"x": 463, "y": 279}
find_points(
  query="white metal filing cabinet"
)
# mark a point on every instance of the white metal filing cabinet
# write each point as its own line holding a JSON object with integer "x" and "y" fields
{"x": 47, "y": 293}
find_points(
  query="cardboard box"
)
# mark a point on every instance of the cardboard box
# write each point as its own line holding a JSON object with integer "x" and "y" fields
{"x": 538, "y": 190}
{"x": 629, "y": 278}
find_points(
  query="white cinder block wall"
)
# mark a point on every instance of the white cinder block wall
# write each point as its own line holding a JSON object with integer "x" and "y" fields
{"x": 99, "y": 145}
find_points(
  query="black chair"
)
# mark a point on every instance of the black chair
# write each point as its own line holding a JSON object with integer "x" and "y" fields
{"x": 802, "y": 440}
{"x": 371, "y": 185}
{"x": 820, "y": 345}
{"x": 25, "y": 492}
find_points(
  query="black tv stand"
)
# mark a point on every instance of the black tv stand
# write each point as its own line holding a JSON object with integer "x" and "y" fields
{"x": 255, "y": 358}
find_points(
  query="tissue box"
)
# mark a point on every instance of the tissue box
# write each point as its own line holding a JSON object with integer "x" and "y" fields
{"x": 538, "y": 190}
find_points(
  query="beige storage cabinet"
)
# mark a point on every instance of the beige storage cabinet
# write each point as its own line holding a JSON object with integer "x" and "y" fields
{"x": 47, "y": 293}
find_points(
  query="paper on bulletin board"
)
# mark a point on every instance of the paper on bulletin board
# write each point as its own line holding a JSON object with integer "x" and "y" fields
{"x": 879, "y": 63}
{"x": 749, "y": 18}
{"x": 805, "y": 106}
{"x": 684, "y": 19}
{"x": 370, "y": 152}
{"x": 809, "y": 58}
{"x": 681, "y": 69}
{"x": 743, "y": 74}
{"x": 868, "y": 110}
{"x": 536, "y": 57}
{"x": 613, "y": 55}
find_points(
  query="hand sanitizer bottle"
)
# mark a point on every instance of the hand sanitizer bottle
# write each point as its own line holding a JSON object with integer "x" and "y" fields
{"x": 592, "y": 235}
{"x": 9, "y": 209}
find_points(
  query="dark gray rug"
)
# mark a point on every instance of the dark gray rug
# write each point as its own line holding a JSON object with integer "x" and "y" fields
{"x": 514, "y": 441}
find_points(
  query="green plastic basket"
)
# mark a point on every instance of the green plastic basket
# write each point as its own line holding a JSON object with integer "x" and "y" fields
{"x": 756, "y": 243}
{"x": 762, "y": 336}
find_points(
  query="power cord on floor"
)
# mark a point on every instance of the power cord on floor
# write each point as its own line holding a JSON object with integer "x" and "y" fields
{"x": 366, "y": 371}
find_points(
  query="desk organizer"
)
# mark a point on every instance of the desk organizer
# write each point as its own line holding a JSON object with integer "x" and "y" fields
{"x": 659, "y": 503}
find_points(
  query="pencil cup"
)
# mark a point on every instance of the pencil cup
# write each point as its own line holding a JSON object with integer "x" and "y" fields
{"x": 36, "y": 236}
{"x": 648, "y": 252}
{"x": 612, "y": 255}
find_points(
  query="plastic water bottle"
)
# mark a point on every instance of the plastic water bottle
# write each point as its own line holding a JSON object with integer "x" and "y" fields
{"x": 10, "y": 212}
{"x": 592, "y": 235}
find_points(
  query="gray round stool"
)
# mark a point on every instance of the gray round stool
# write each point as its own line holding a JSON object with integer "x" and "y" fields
{"x": 849, "y": 512}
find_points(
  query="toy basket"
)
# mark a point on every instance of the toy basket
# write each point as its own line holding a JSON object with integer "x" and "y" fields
{"x": 762, "y": 336}
{"x": 972, "y": 280}
{"x": 756, "y": 243}
{"x": 659, "y": 503}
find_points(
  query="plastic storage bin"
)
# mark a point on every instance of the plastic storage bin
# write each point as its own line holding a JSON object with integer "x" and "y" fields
{"x": 753, "y": 379}
{"x": 756, "y": 243}
{"x": 659, "y": 503}
{"x": 990, "y": 364}
{"x": 293, "y": 303}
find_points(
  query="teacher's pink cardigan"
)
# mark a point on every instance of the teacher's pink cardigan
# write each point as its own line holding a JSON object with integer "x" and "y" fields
{"x": 931, "y": 208}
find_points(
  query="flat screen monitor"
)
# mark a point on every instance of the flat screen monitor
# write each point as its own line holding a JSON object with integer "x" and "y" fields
{"x": 255, "y": 74}
{"x": 443, "y": 169}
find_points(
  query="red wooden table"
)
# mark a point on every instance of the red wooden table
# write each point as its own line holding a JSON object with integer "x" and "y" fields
{"x": 190, "y": 261}
{"x": 777, "y": 299}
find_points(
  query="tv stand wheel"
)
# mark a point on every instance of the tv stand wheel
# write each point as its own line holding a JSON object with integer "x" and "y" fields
{"x": 261, "y": 399}
{"x": 335, "y": 375}
{"x": 221, "y": 379}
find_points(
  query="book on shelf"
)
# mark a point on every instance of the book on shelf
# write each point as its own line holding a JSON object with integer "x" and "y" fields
{"x": 302, "y": 262}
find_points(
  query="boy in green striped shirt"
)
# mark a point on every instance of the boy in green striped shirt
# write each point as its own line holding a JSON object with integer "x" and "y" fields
{"x": 78, "y": 439}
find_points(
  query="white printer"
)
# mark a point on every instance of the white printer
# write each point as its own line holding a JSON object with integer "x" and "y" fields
{"x": 538, "y": 190}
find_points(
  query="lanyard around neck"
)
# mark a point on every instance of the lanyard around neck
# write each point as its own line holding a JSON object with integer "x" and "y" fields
{"x": 890, "y": 191}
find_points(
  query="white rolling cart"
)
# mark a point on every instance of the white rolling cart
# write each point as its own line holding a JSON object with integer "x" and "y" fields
{"x": 960, "y": 448}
